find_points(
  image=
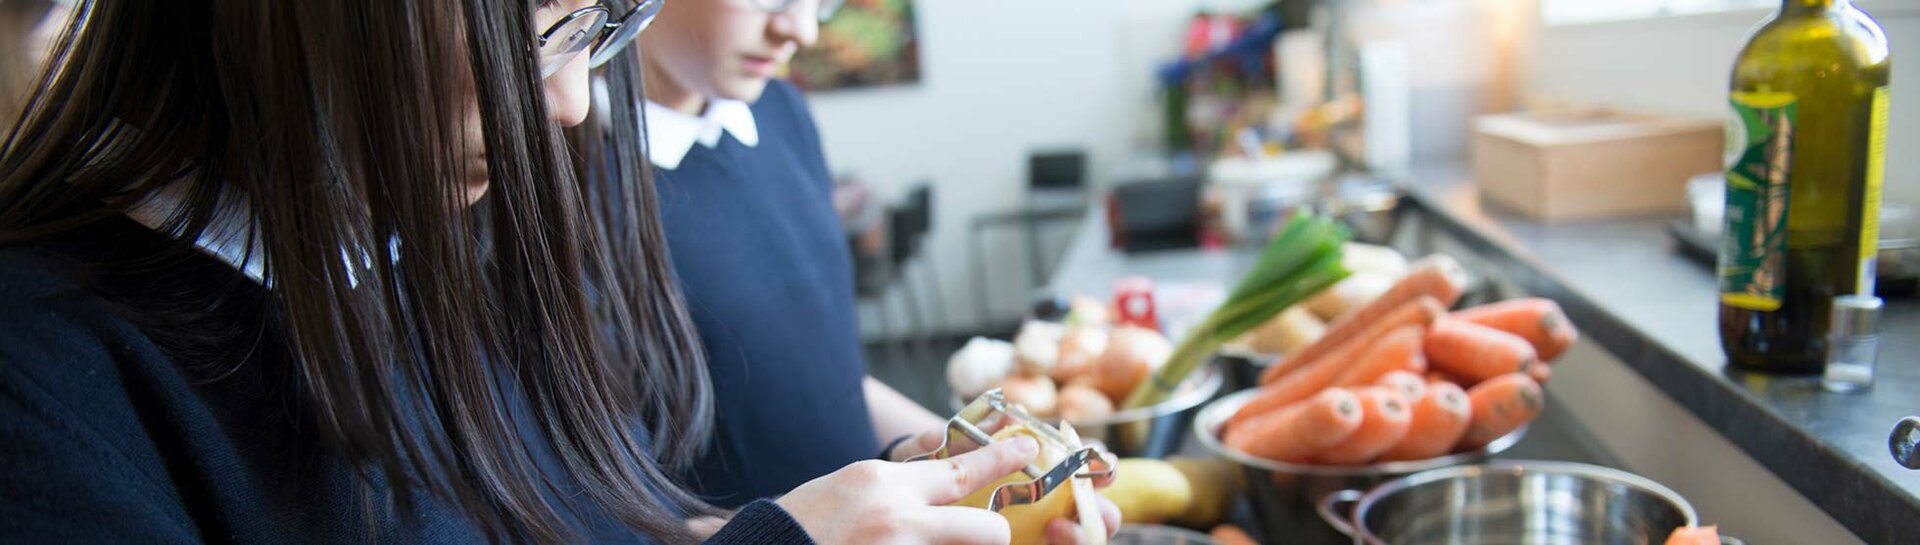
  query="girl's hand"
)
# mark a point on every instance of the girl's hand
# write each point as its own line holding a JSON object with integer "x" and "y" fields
{"x": 894, "y": 503}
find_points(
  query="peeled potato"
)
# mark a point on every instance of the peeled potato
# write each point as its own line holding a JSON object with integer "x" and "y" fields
{"x": 1028, "y": 522}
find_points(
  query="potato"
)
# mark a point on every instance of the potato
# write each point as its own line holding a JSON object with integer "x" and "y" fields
{"x": 1028, "y": 522}
{"x": 1214, "y": 482}
{"x": 1148, "y": 491}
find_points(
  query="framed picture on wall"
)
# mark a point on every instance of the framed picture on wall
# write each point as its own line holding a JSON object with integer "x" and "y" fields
{"x": 867, "y": 43}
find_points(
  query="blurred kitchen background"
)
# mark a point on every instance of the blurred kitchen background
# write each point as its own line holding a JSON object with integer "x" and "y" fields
{"x": 1011, "y": 118}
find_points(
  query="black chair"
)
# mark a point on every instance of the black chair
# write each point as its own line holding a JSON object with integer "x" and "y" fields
{"x": 1057, "y": 170}
{"x": 908, "y": 225}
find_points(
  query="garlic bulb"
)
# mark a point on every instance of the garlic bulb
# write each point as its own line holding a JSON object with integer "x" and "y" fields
{"x": 1090, "y": 312}
{"x": 979, "y": 366}
{"x": 1037, "y": 348}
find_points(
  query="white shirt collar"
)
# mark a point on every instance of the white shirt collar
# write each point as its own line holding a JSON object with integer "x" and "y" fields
{"x": 671, "y": 134}
{"x": 235, "y": 238}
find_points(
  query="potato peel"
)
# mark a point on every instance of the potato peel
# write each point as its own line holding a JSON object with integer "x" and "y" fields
{"x": 1092, "y": 527}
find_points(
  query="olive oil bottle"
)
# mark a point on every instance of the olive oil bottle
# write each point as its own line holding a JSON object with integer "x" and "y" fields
{"x": 1803, "y": 192}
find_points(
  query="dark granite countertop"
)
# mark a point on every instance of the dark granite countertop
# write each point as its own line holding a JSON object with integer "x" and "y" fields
{"x": 1622, "y": 282}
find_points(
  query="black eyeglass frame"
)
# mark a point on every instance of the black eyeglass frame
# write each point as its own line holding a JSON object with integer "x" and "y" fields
{"x": 607, "y": 37}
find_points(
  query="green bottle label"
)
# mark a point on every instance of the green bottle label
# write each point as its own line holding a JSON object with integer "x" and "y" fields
{"x": 1753, "y": 253}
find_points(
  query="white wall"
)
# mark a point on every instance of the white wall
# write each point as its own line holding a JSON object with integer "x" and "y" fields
{"x": 1681, "y": 64}
{"x": 1000, "y": 78}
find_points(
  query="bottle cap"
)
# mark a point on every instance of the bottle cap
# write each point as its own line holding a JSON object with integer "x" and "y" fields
{"x": 1855, "y": 316}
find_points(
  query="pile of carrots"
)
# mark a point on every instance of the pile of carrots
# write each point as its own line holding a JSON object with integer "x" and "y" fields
{"x": 1402, "y": 378}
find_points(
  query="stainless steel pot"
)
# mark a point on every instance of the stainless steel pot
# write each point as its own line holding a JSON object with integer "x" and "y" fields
{"x": 1148, "y": 432}
{"x": 1512, "y": 502}
{"x": 1285, "y": 495}
{"x": 1154, "y": 534}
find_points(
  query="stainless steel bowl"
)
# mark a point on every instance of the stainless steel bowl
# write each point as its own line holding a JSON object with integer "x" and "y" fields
{"x": 1512, "y": 502}
{"x": 1286, "y": 495}
{"x": 1149, "y": 432}
{"x": 1154, "y": 534}
{"x": 1242, "y": 366}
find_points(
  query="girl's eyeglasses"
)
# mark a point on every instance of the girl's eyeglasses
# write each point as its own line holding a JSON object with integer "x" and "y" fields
{"x": 589, "y": 28}
{"x": 827, "y": 7}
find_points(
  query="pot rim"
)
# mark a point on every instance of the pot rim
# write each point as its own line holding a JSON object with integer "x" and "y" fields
{"x": 1602, "y": 474}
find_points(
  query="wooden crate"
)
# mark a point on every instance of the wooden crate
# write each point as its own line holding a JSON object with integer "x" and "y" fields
{"x": 1597, "y": 164}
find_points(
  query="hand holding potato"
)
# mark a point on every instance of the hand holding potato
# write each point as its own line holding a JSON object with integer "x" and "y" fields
{"x": 910, "y": 503}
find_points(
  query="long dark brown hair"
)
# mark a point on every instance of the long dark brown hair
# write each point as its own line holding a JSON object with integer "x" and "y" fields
{"x": 333, "y": 126}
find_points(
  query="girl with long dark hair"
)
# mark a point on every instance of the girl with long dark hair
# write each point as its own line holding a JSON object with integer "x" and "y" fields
{"x": 292, "y": 271}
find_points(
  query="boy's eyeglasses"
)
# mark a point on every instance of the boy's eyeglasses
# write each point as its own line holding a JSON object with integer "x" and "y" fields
{"x": 588, "y": 28}
{"x": 827, "y": 7}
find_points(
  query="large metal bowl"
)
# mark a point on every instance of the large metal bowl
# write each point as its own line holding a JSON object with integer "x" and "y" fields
{"x": 1285, "y": 495}
{"x": 1512, "y": 503}
{"x": 1242, "y": 365}
{"x": 1148, "y": 432}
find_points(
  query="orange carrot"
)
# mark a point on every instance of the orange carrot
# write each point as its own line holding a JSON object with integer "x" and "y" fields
{"x": 1540, "y": 372}
{"x": 1539, "y": 321}
{"x": 1387, "y": 420}
{"x": 1228, "y": 534}
{"x": 1323, "y": 372}
{"x": 1398, "y": 350}
{"x": 1420, "y": 311}
{"x": 1410, "y": 385}
{"x": 1436, "y": 375}
{"x": 1295, "y": 432}
{"x": 1476, "y": 352}
{"x": 1436, "y": 276}
{"x": 1694, "y": 535}
{"x": 1439, "y": 421}
{"x": 1501, "y": 405}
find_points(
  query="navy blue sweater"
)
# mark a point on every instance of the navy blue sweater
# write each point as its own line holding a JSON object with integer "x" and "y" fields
{"x": 107, "y": 437}
{"x": 769, "y": 281}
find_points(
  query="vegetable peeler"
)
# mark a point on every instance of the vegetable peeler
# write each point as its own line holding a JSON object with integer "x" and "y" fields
{"x": 968, "y": 430}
